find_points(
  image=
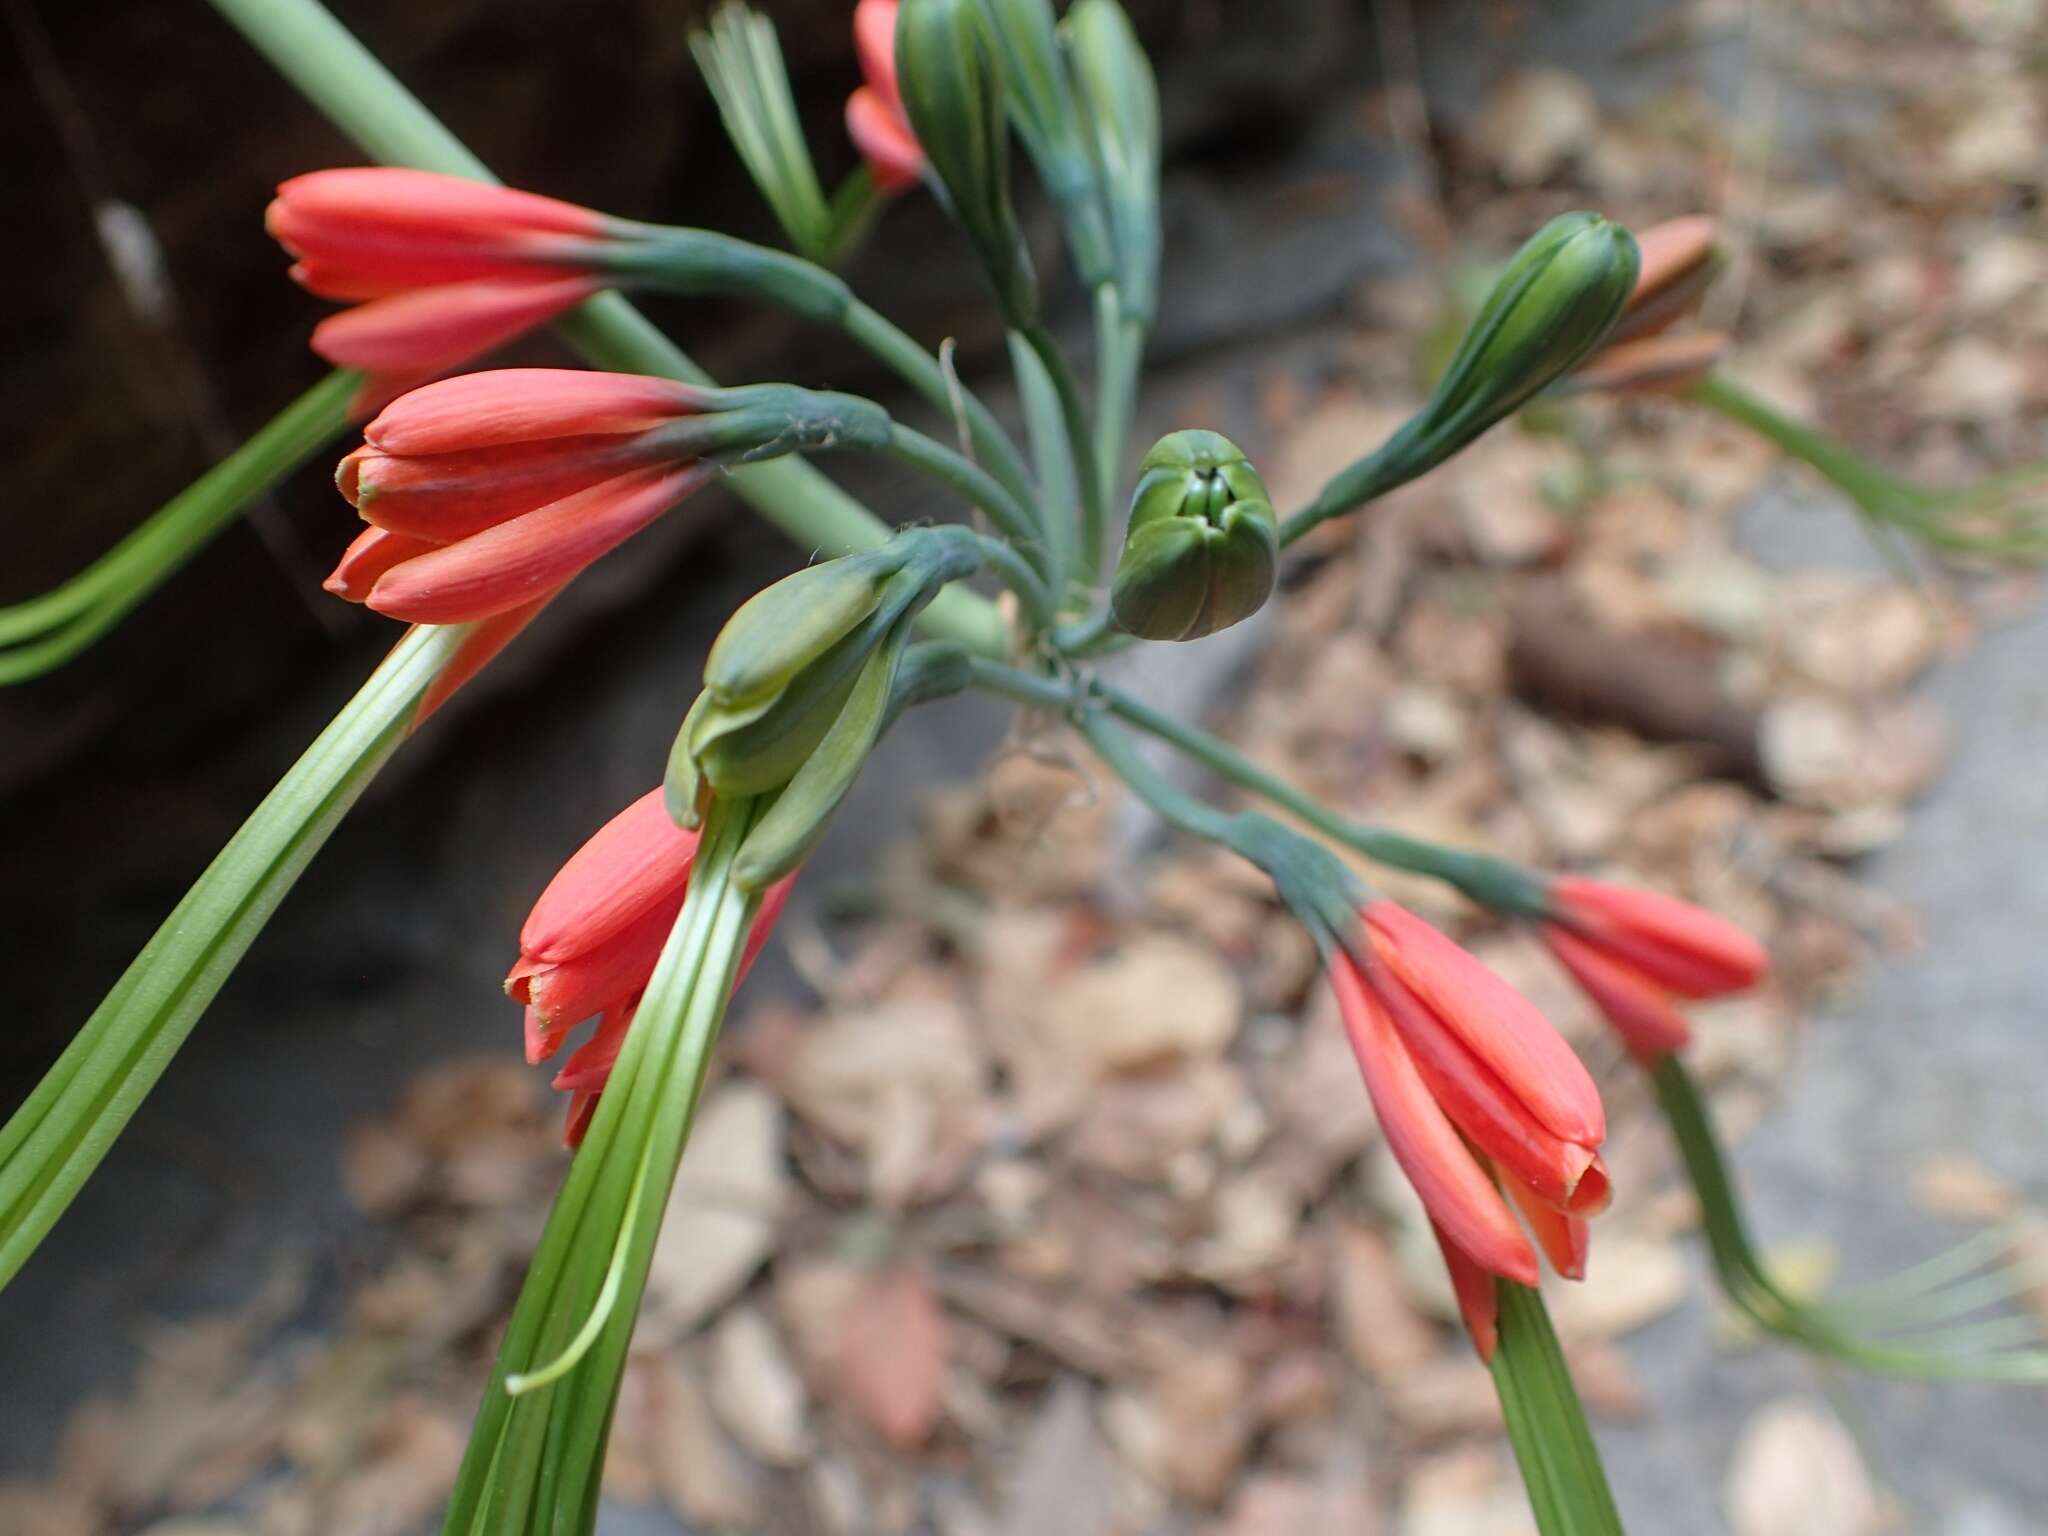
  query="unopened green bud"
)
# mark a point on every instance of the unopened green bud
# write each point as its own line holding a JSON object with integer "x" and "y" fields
{"x": 782, "y": 838}
{"x": 785, "y": 627}
{"x": 952, "y": 84}
{"x": 1120, "y": 105}
{"x": 1544, "y": 315}
{"x": 1554, "y": 304}
{"x": 785, "y": 666}
{"x": 1048, "y": 119}
{"x": 1202, "y": 544}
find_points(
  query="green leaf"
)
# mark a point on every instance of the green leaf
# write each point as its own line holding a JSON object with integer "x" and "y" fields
{"x": 45, "y": 632}
{"x": 1553, "y": 1442}
{"x": 534, "y": 1459}
{"x": 1888, "y": 1328}
{"x": 54, "y": 1141}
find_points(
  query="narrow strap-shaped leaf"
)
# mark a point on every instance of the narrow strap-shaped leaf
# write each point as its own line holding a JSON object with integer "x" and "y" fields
{"x": 1886, "y": 1328}
{"x": 533, "y": 1459}
{"x": 55, "y": 1140}
{"x": 1553, "y": 1442}
{"x": 46, "y": 631}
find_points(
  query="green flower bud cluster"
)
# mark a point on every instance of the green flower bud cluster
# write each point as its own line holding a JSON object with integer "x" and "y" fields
{"x": 951, "y": 77}
{"x": 1048, "y": 119}
{"x": 1202, "y": 543}
{"x": 797, "y": 689}
{"x": 1120, "y": 107}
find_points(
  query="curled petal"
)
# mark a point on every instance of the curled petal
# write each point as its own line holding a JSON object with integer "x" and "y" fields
{"x": 427, "y": 201}
{"x": 1458, "y": 1195}
{"x": 1481, "y": 1106}
{"x": 444, "y": 497}
{"x": 1566, "y": 1240}
{"x": 633, "y": 863}
{"x": 1474, "y": 1287}
{"x": 476, "y": 651}
{"x": 884, "y": 139}
{"x": 1652, "y": 365}
{"x": 566, "y": 992}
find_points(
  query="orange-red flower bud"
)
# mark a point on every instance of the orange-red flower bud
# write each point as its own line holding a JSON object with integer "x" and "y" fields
{"x": 1634, "y": 952}
{"x": 593, "y": 938}
{"x": 1652, "y": 365}
{"x": 491, "y": 491}
{"x": 1455, "y": 1190}
{"x": 875, "y": 119}
{"x": 450, "y": 268}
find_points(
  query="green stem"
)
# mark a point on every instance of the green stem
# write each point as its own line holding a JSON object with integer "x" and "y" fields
{"x": 943, "y": 391}
{"x": 1074, "y": 413}
{"x": 1011, "y": 569}
{"x": 524, "y": 1470}
{"x": 1119, "y": 353}
{"x": 128, "y": 572}
{"x": 1388, "y": 467}
{"x": 1546, "y": 1422}
{"x": 1748, "y": 1284}
{"x": 1493, "y": 883}
{"x": 367, "y": 102}
{"x": 1052, "y": 461}
{"x": 1863, "y": 481}
{"x": 1011, "y": 517}
{"x": 1174, "y": 804}
{"x": 854, "y": 206}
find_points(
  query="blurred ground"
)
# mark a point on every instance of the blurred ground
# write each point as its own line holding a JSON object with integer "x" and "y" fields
{"x": 1019, "y": 1210}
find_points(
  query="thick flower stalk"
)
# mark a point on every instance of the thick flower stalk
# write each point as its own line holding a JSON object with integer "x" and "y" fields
{"x": 1637, "y": 953}
{"x": 875, "y": 119}
{"x": 591, "y": 942}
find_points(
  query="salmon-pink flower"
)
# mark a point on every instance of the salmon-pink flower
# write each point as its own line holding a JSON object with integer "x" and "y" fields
{"x": 1476, "y": 1095}
{"x": 443, "y": 269}
{"x": 1635, "y": 951}
{"x": 1651, "y": 365}
{"x": 1459, "y": 1196}
{"x": 875, "y": 119}
{"x": 487, "y": 493}
{"x": 592, "y": 940}
{"x": 1499, "y": 1068}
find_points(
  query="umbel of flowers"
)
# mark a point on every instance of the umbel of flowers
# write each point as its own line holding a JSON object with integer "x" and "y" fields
{"x": 483, "y": 496}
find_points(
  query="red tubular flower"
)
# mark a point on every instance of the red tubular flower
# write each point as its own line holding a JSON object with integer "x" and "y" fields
{"x": 1499, "y": 1069}
{"x": 487, "y": 493}
{"x": 446, "y": 268}
{"x": 1476, "y": 1094}
{"x": 875, "y": 119}
{"x": 1460, "y": 1198}
{"x": 1634, "y": 952}
{"x": 592, "y": 940}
